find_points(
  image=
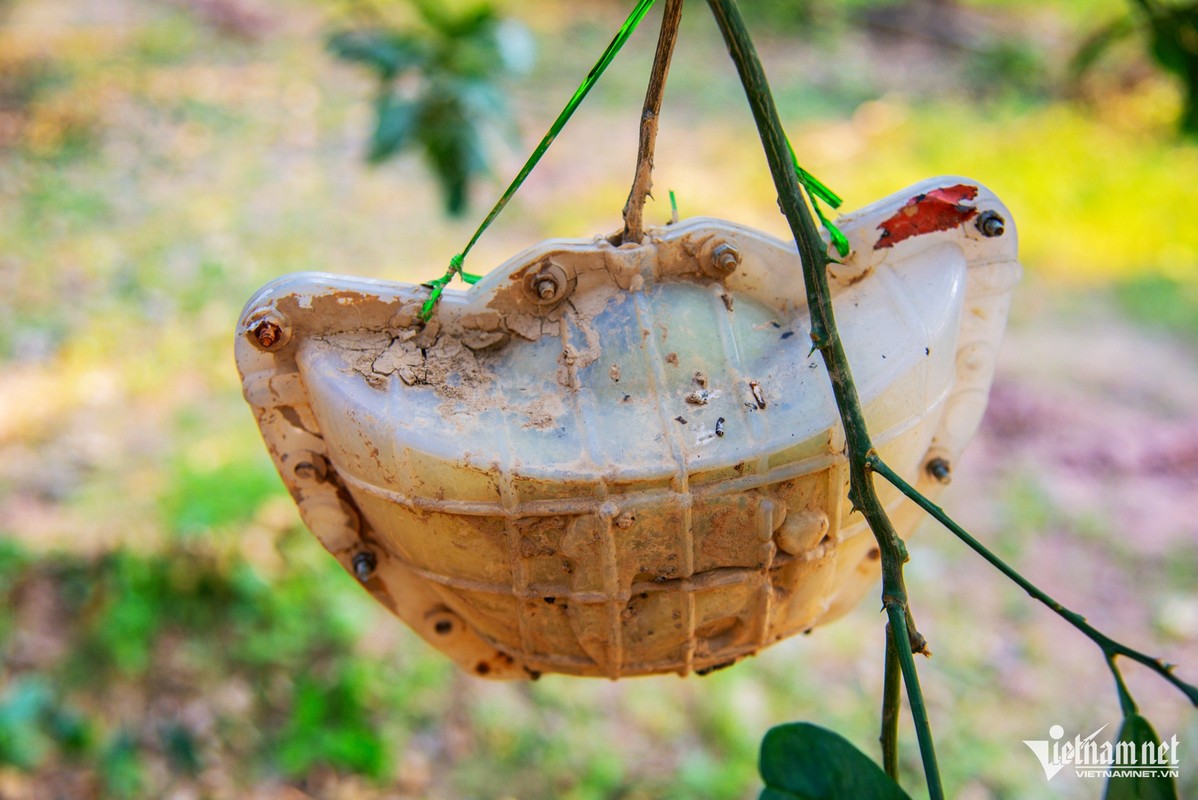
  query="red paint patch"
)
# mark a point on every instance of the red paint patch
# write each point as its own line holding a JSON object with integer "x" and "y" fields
{"x": 938, "y": 210}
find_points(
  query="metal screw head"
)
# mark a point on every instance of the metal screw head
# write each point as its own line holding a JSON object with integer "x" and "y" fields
{"x": 991, "y": 224}
{"x": 364, "y": 564}
{"x": 940, "y": 469}
{"x": 725, "y": 258}
{"x": 547, "y": 285}
{"x": 719, "y": 258}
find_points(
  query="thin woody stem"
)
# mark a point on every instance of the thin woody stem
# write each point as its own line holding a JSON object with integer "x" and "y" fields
{"x": 814, "y": 256}
{"x": 892, "y": 674}
{"x": 642, "y": 182}
{"x": 1111, "y": 649}
{"x": 919, "y": 710}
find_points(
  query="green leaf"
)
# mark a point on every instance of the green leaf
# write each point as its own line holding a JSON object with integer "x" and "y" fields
{"x": 394, "y": 128}
{"x": 387, "y": 52}
{"x": 801, "y": 761}
{"x": 1138, "y": 732}
{"x": 453, "y": 145}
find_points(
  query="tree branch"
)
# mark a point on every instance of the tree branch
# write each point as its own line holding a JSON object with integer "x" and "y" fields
{"x": 890, "y": 707}
{"x": 814, "y": 256}
{"x": 1110, "y": 648}
{"x": 642, "y": 182}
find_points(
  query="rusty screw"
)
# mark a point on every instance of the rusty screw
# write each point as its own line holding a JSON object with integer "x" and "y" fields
{"x": 364, "y": 564}
{"x": 267, "y": 333}
{"x": 991, "y": 224}
{"x": 940, "y": 469}
{"x": 725, "y": 258}
{"x": 267, "y": 328}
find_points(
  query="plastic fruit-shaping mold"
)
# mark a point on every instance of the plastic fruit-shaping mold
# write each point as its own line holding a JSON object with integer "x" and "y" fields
{"x": 623, "y": 460}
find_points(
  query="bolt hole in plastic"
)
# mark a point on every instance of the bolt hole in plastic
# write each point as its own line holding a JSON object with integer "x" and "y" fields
{"x": 517, "y": 461}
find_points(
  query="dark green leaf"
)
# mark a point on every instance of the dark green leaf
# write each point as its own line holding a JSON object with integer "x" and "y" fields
{"x": 1138, "y": 732}
{"x": 456, "y": 155}
{"x": 394, "y": 128}
{"x": 801, "y": 761}
{"x": 387, "y": 52}
{"x": 452, "y": 139}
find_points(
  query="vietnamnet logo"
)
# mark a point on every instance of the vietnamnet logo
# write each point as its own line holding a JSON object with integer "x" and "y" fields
{"x": 1091, "y": 759}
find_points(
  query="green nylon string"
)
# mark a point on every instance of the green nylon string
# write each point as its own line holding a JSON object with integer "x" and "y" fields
{"x": 455, "y": 263}
{"x": 839, "y": 240}
{"x": 817, "y": 191}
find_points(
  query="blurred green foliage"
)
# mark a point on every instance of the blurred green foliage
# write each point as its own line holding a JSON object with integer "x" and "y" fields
{"x": 1173, "y": 37}
{"x": 439, "y": 88}
{"x": 32, "y": 723}
{"x": 1170, "y": 33}
{"x": 203, "y": 499}
{"x": 1162, "y": 302}
{"x": 315, "y": 702}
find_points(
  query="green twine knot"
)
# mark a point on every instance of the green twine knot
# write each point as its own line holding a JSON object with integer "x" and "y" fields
{"x": 438, "y": 285}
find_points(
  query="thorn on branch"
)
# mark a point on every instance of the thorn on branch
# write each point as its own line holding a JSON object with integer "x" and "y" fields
{"x": 819, "y": 341}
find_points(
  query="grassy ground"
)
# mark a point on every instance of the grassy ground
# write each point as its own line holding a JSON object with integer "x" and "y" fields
{"x": 170, "y": 630}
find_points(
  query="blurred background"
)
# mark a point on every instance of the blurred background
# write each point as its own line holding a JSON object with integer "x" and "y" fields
{"x": 168, "y": 628}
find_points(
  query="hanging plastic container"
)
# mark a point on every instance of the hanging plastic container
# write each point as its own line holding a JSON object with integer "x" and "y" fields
{"x": 615, "y": 461}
